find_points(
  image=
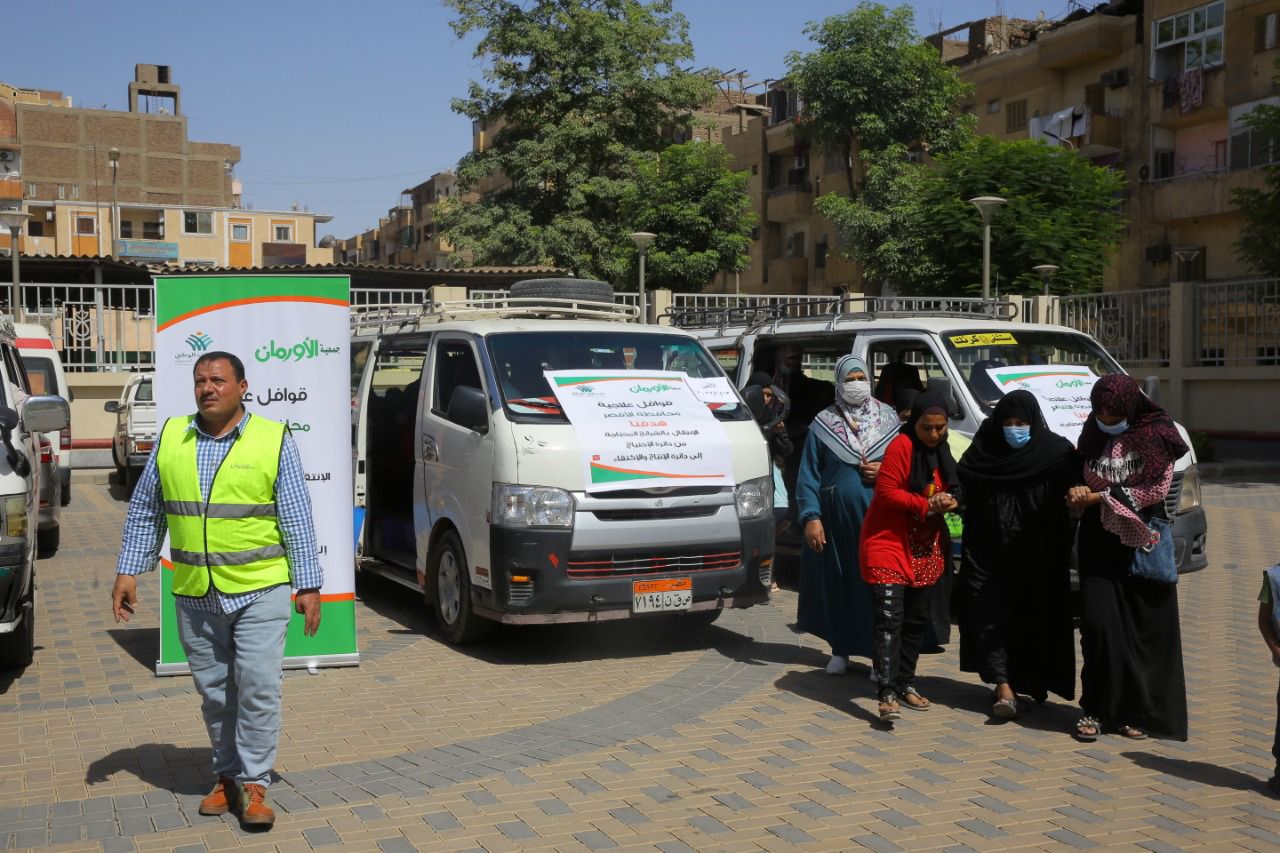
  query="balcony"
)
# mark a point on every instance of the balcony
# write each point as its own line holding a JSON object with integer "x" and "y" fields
{"x": 1199, "y": 195}
{"x": 1105, "y": 136}
{"x": 788, "y": 275}
{"x": 790, "y": 202}
{"x": 1213, "y": 106}
{"x": 1092, "y": 39}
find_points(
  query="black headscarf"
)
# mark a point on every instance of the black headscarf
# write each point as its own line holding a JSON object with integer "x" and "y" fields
{"x": 990, "y": 461}
{"x": 1151, "y": 430}
{"x": 895, "y": 376}
{"x": 904, "y": 399}
{"x": 924, "y": 459}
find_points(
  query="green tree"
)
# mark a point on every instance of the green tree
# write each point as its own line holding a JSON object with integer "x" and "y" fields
{"x": 873, "y": 82}
{"x": 914, "y": 229}
{"x": 1259, "y": 243}
{"x": 698, "y": 208}
{"x": 578, "y": 88}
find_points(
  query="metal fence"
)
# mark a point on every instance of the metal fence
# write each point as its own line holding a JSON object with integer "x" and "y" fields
{"x": 95, "y": 327}
{"x": 1133, "y": 325}
{"x": 1238, "y": 323}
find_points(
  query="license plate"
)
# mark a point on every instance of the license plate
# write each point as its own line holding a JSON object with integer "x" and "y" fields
{"x": 657, "y": 596}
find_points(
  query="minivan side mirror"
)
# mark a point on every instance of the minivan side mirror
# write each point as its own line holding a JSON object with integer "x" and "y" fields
{"x": 45, "y": 413}
{"x": 1151, "y": 387}
{"x": 111, "y": 406}
{"x": 468, "y": 407}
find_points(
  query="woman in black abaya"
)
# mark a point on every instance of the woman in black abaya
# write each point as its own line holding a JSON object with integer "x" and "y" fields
{"x": 1014, "y": 595}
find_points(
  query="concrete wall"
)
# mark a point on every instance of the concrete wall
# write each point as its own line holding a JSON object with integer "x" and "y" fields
{"x": 89, "y": 423}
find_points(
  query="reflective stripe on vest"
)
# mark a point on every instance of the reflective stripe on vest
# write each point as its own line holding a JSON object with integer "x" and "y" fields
{"x": 232, "y": 540}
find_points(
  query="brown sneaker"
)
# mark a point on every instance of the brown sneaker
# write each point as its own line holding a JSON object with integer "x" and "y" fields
{"x": 254, "y": 810}
{"x": 219, "y": 799}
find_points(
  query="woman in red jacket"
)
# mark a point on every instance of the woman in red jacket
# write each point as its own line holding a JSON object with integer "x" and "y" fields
{"x": 905, "y": 546}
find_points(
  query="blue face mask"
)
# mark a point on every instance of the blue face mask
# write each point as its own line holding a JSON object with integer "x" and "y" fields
{"x": 1017, "y": 436}
{"x": 1114, "y": 430}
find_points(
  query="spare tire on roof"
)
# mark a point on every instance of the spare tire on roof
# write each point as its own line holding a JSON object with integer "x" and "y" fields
{"x": 580, "y": 289}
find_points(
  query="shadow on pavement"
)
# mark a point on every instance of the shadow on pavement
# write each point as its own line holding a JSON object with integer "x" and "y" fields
{"x": 178, "y": 769}
{"x": 139, "y": 643}
{"x": 839, "y": 692}
{"x": 1198, "y": 771}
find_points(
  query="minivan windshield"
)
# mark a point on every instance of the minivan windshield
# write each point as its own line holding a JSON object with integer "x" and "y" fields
{"x": 976, "y": 352}
{"x": 519, "y": 359}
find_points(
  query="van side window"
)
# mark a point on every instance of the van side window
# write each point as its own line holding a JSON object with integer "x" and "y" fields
{"x": 908, "y": 363}
{"x": 455, "y": 367}
{"x": 13, "y": 369}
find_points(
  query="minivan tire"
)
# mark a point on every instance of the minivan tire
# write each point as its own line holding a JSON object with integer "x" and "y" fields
{"x": 450, "y": 583}
{"x": 47, "y": 541}
{"x": 18, "y": 648}
{"x": 581, "y": 289}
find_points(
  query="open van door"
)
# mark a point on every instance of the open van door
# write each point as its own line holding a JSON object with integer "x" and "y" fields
{"x": 363, "y": 357}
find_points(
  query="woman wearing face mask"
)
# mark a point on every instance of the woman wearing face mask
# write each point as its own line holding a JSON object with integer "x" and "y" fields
{"x": 1014, "y": 596}
{"x": 1132, "y": 678}
{"x": 837, "y": 471}
{"x": 905, "y": 548}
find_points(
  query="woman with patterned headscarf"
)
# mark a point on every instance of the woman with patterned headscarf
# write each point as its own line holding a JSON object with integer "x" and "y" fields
{"x": 1132, "y": 679}
{"x": 837, "y": 473}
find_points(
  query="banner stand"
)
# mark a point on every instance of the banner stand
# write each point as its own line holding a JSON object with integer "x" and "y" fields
{"x": 292, "y": 332}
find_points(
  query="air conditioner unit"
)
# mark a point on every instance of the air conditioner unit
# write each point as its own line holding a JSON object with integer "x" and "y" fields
{"x": 8, "y": 156}
{"x": 1115, "y": 78}
{"x": 1160, "y": 253}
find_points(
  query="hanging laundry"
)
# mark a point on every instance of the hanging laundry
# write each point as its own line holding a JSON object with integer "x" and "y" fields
{"x": 1080, "y": 122}
{"x": 1191, "y": 90}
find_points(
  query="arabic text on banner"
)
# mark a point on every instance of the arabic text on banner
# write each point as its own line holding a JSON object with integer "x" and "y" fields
{"x": 642, "y": 429}
{"x": 1061, "y": 389}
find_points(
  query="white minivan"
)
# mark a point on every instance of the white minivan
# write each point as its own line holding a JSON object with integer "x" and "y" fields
{"x": 949, "y": 342}
{"x": 470, "y": 485}
{"x": 45, "y": 373}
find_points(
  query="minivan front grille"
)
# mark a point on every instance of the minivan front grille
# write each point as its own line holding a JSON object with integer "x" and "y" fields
{"x": 626, "y": 565}
{"x": 656, "y": 513}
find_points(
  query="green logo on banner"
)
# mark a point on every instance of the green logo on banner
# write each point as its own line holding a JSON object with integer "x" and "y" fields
{"x": 199, "y": 342}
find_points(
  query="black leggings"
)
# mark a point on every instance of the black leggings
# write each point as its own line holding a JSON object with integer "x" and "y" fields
{"x": 899, "y": 615}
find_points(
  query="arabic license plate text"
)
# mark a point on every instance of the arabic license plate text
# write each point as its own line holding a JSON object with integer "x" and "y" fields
{"x": 657, "y": 596}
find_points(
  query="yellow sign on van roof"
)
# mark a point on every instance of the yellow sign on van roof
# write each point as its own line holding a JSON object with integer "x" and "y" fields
{"x": 983, "y": 339}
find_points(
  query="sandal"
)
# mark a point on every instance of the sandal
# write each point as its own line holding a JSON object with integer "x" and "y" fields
{"x": 1005, "y": 709}
{"x": 1131, "y": 733}
{"x": 1087, "y": 729}
{"x": 913, "y": 700}
{"x": 889, "y": 708}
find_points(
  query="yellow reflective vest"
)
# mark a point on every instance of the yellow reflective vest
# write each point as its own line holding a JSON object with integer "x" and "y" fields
{"x": 232, "y": 540}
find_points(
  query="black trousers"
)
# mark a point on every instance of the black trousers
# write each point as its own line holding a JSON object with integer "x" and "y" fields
{"x": 899, "y": 616}
{"x": 1275, "y": 747}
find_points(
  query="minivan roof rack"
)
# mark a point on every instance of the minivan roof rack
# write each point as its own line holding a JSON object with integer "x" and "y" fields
{"x": 384, "y": 318}
{"x": 839, "y": 308}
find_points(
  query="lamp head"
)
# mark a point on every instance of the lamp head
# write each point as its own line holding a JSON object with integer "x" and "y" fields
{"x": 1045, "y": 270}
{"x": 113, "y": 155}
{"x": 986, "y": 204}
{"x": 13, "y": 218}
{"x": 642, "y": 239}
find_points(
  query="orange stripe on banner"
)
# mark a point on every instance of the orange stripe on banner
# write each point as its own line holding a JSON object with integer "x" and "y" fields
{"x": 255, "y": 300}
{"x": 336, "y": 596}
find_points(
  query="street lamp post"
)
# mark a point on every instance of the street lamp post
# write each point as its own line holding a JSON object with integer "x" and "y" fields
{"x": 986, "y": 204}
{"x": 113, "y": 157}
{"x": 642, "y": 239}
{"x": 13, "y": 220}
{"x": 1046, "y": 272}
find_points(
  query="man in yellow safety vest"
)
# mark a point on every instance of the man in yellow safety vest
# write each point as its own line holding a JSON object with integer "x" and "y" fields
{"x": 229, "y": 489}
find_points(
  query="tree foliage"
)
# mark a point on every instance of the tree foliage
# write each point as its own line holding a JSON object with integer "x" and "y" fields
{"x": 873, "y": 82}
{"x": 1259, "y": 243}
{"x": 698, "y": 208}
{"x": 580, "y": 91}
{"x": 914, "y": 229}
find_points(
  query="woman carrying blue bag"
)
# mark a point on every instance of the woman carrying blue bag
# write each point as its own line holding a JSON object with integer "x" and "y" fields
{"x": 1132, "y": 679}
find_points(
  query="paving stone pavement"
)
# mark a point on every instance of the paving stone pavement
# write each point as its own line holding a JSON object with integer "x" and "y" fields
{"x": 642, "y": 736}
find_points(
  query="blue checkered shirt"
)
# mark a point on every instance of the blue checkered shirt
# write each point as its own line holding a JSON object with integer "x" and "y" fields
{"x": 146, "y": 524}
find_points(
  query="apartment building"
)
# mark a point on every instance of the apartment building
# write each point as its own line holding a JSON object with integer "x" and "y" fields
{"x": 1158, "y": 89}
{"x": 77, "y": 171}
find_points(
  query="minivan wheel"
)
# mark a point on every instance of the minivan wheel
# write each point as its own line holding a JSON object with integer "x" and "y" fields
{"x": 47, "y": 541}
{"x": 18, "y": 648}
{"x": 451, "y": 593}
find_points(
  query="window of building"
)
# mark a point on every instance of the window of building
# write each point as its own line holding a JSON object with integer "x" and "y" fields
{"x": 820, "y": 250}
{"x": 834, "y": 161}
{"x": 86, "y": 226}
{"x": 1266, "y": 32}
{"x": 197, "y": 222}
{"x": 282, "y": 233}
{"x": 126, "y": 229}
{"x": 1189, "y": 39}
{"x": 32, "y": 190}
{"x": 240, "y": 232}
{"x": 1015, "y": 116}
{"x": 1246, "y": 147}
{"x": 152, "y": 230}
{"x": 35, "y": 228}
{"x": 993, "y": 107}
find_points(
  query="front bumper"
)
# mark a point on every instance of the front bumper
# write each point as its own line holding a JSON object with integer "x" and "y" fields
{"x": 15, "y": 574}
{"x": 1190, "y": 535}
{"x": 568, "y": 586}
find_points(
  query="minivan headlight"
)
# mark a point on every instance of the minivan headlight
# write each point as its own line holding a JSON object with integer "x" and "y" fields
{"x": 15, "y": 516}
{"x": 531, "y": 506}
{"x": 1189, "y": 497}
{"x": 755, "y": 497}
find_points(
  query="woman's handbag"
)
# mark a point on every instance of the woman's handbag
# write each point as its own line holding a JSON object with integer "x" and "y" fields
{"x": 1156, "y": 563}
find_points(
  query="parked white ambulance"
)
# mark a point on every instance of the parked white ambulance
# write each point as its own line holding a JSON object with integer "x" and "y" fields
{"x": 469, "y": 478}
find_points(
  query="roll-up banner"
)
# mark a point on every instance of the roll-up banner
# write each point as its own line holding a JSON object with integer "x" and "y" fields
{"x": 292, "y": 334}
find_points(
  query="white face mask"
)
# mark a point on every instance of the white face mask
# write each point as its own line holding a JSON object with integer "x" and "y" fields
{"x": 855, "y": 393}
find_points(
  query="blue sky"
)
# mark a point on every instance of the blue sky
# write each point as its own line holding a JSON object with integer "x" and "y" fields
{"x": 340, "y": 106}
